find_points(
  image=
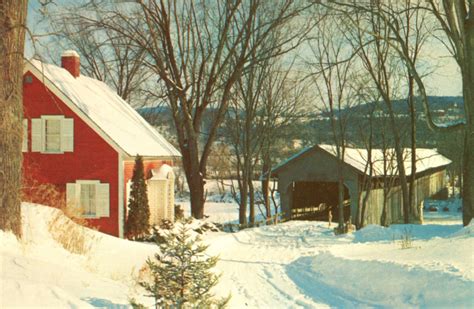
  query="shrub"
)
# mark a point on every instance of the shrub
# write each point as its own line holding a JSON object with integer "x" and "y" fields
{"x": 180, "y": 275}
{"x": 137, "y": 223}
{"x": 70, "y": 235}
{"x": 406, "y": 240}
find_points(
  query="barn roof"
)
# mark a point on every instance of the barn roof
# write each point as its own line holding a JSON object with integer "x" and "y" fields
{"x": 358, "y": 158}
{"x": 113, "y": 116}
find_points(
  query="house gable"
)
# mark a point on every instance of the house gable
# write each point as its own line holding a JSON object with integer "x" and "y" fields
{"x": 58, "y": 96}
{"x": 108, "y": 111}
{"x": 93, "y": 158}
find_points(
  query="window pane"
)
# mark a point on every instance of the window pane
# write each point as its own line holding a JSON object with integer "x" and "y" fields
{"x": 53, "y": 135}
{"x": 53, "y": 126}
{"x": 88, "y": 200}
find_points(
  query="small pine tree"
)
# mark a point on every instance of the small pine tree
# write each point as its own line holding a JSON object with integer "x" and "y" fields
{"x": 137, "y": 223}
{"x": 181, "y": 275}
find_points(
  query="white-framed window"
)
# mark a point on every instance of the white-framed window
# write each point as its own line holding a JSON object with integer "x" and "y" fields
{"x": 24, "y": 146}
{"x": 52, "y": 134}
{"x": 90, "y": 197}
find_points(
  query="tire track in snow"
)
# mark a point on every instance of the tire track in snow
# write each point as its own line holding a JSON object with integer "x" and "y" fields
{"x": 253, "y": 265}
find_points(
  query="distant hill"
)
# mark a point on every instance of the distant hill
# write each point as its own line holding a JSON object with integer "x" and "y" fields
{"x": 146, "y": 111}
{"x": 400, "y": 107}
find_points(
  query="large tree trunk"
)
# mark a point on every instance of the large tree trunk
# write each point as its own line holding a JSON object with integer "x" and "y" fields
{"x": 194, "y": 177}
{"x": 266, "y": 171}
{"x": 251, "y": 201}
{"x": 468, "y": 88}
{"x": 368, "y": 187}
{"x": 243, "y": 200}
{"x": 196, "y": 188}
{"x": 266, "y": 197}
{"x": 340, "y": 188}
{"x": 12, "y": 40}
{"x": 384, "y": 217}
{"x": 411, "y": 105}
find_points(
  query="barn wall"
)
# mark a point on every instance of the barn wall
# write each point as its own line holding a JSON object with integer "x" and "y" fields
{"x": 314, "y": 166}
{"x": 92, "y": 159}
{"x": 374, "y": 209}
{"x": 426, "y": 186}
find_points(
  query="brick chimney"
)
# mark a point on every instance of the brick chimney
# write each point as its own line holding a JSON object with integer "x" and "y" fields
{"x": 70, "y": 61}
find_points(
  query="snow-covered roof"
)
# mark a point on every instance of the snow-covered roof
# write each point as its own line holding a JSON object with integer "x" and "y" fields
{"x": 358, "y": 158}
{"x": 163, "y": 172}
{"x": 107, "y": 110}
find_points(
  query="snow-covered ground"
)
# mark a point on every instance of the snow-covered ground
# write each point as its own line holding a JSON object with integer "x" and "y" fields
{"x": 296, "y": 264}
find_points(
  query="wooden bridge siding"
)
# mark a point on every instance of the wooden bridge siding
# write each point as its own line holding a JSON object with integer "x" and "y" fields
{"x": 426, "y": 186}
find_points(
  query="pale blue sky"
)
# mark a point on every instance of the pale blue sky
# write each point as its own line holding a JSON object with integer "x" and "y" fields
{"x": 444, "y": 80}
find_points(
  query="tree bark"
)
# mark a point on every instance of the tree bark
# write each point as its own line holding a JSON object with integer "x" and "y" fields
{"x": 411, "y": 189}
{"x": 194, "y": 177}
{"x": 12, "y": 40}
{"x": 266, "y": 171}
{"x": 196, "y": 188}
{"x": 243, "y": 200}
{"x": 251, "y": 201}
{"x": 468, "y": 86}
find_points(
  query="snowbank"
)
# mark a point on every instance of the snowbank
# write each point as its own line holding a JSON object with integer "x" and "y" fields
{"x": 341, "y": 282}
{"x": 372, "y": 233}
{"x": 297, "y": 264}
{"x": 37, "y": 271}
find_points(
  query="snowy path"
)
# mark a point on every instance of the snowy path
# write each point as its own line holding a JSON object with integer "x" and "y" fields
{"x": 302, "y": 265}
{"x": 254, "y": 268}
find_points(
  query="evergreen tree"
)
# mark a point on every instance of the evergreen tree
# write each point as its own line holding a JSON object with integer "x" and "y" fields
{"x": 137, "y": 223}
{"x": 181, "y": 275}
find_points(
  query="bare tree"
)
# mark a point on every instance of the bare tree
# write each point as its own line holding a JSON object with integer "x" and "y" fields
{"x": 267, "y": 97}
{"x": 12, "y": 40}
{"x": 457, "y": 35}
{"x": 283, "y": 98}
{"x": 371, "y": 40}
{"x": 415, "y": 30}
{"x": 457, "y": 21}
{"x": 198, "y": 50}
{"x": 366, "y": 133}
{"x": 334, "y": 69}
{"x": 105, "y": 56}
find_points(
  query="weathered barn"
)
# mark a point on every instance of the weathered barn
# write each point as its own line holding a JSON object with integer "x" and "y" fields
{"x": 307, "y": 182}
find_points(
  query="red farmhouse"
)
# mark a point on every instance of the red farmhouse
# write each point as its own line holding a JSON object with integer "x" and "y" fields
{"x": 82, "y": 137}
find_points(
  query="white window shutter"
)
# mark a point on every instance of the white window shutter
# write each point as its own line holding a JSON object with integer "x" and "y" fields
{"x": 37, "y": 140}
{"x": 103, "y": 200}
{"x": 71, "y": 194}
{"x": 67, "y": 134}
{"x": 128, "y": 189}
{"x": 24, "y": 146}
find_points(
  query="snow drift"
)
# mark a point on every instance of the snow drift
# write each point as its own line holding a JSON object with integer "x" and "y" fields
{"x": 297, "y": 264}
{"x": 37, "y": 271}
{"x": 342, "y": 282}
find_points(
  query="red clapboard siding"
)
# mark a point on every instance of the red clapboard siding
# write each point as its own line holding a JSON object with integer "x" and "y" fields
{"x": 92, "y": 159}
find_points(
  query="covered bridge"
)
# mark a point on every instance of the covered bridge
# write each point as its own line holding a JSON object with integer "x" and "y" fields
{"x": 307, "y": 182}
